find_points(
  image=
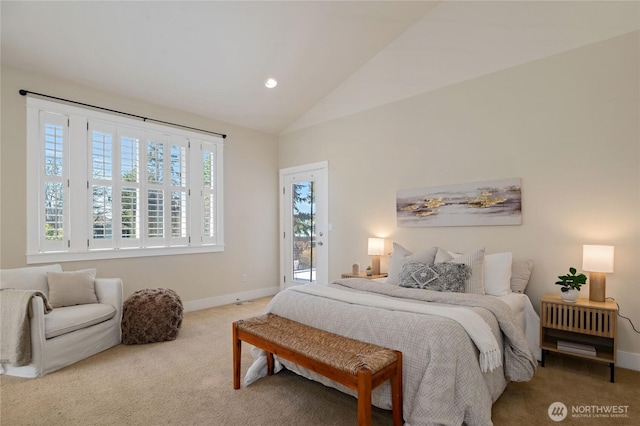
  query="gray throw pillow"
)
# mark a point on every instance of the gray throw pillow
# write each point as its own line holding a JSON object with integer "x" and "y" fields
{"x": 449, "y": 277}
{"x": 406, "y": 276}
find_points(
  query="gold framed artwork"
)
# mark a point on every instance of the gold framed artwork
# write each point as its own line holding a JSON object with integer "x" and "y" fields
{"x": 496, "y": 202}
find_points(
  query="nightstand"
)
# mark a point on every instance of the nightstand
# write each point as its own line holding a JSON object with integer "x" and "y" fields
{"x": 584, "y": 328}
{"x": 363, "y": 275}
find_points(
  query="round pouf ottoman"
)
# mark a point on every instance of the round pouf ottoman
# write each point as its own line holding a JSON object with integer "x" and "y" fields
{"x": 151, "y": 315}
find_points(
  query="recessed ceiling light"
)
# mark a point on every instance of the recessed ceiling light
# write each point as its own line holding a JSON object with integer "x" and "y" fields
{"x": 271, "y": 83}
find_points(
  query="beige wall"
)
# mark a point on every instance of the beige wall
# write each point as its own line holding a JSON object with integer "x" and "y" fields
{"x": 251, "y": 197}
{"x": 567, "y": 125}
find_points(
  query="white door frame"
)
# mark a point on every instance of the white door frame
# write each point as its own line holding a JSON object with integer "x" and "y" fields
{"x": 322, "y": 221}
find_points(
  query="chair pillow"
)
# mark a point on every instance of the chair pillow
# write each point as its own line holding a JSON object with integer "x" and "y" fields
{"x": 72, "y": 288}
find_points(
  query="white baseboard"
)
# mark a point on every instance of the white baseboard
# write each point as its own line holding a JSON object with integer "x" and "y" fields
{"x": 628, "y": 360}
{"x": 210, "y": 302}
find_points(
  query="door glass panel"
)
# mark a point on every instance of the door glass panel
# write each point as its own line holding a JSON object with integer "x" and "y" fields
{"x": 304, "y": 230}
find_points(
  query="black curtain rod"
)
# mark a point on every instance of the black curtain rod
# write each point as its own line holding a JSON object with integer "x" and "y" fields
{"x": 26, "y": 92}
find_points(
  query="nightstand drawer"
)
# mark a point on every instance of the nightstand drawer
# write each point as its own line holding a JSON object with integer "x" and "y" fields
{"x": 579, "y": 319}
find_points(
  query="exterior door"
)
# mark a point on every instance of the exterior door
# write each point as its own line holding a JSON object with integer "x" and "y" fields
{"x": 304, "y": 225}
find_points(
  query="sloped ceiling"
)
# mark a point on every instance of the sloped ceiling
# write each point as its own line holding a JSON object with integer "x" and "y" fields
{"x": 331, "y": 58}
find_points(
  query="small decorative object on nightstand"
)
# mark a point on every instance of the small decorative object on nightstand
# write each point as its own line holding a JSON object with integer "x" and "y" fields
{"x": 583, "y": 328}
{"x": 355, "y": 269}
{"x": 571, "y": 284}
{"x": 363, "y": 275}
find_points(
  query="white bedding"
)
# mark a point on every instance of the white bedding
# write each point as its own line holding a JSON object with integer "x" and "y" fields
{"x": 442, "y": 378}
{"x": 526, "y": 317}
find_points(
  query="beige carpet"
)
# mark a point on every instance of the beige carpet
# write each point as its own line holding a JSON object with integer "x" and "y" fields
{"x": 189, "y": 382}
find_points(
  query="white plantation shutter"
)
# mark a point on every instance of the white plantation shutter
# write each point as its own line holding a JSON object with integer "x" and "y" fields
{"x": 53, "y": 187}
{"x": 178, "y": 191}
{"x": 208, "y": 185}
{"x": 129, "y": 227}
{"x": 102, "y": 143}
{"x": 150, "y": 189}
{"x": 154, "y": 191}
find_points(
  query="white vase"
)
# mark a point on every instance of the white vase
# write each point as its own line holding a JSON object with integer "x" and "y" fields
{"x": 570, "y": 296}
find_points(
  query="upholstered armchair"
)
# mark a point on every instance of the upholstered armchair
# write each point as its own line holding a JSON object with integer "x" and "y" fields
{"x": 85, "y": 318}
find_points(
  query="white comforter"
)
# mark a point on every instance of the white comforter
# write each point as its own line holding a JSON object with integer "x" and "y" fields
{"x": 442, "y": 379}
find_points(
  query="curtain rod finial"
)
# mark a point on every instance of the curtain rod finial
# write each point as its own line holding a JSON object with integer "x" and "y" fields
{"x": 23, "y": 92}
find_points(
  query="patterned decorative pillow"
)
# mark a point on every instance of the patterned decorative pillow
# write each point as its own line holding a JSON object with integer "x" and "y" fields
{"x": 473, "y": 259}
{"x": 450, "y": 277}
{"x": 406, "y": 276}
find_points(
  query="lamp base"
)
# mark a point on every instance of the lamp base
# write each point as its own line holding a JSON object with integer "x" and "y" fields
{"x": 597, "y": 286}
{"x": 375, "y": 265}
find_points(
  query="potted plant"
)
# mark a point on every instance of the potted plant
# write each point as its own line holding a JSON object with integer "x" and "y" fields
{"x": 369, "y": 271}
{"x": 571, "y": 284}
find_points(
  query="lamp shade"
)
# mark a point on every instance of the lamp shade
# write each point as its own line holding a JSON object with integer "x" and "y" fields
{"x": 376, "y": 247}
{"x": 597, "y": 258}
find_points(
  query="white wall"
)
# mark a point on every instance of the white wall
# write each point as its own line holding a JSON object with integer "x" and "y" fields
{"x": 251, "y": 203}
{"x": 567, "y": 125}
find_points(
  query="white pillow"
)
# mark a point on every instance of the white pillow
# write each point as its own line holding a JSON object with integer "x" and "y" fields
{"x": 497, "y": 273}
{"x": 72, "y": 288}
{"x": 474, "y": 260}
{"x": 401, "y": 256}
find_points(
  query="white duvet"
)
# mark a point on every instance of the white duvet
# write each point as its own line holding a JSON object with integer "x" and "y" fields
{"x": 443, "y": 382}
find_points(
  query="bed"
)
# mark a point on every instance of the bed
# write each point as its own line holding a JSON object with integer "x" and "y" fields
{"x": 460, "y": 349}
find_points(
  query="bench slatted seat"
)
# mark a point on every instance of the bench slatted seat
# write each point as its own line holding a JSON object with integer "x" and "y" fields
{"x": 359, "y": 366}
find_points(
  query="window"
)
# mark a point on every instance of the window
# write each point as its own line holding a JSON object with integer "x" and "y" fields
{"x": 103, "y": 186}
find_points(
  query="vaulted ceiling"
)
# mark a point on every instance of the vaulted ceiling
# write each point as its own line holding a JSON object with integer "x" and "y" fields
{"x": 331, "y": 58}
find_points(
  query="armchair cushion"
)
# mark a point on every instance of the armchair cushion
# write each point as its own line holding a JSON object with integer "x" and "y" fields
{"x": 71, "y": 318}
{"x": 72, "y": 288}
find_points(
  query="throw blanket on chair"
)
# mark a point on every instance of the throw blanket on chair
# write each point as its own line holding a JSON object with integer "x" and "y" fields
{"x": 15, "y": 338}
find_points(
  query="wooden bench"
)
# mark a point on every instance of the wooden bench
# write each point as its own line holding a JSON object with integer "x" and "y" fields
{"x": 357, "y": 365}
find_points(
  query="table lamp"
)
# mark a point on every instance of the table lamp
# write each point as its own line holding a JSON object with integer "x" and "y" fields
{"x": 598, "y": 261}
{"x": 376, "y": 249}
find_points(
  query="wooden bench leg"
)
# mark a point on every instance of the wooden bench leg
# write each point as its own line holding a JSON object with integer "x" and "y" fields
{"x": 237, "y": 352}
{"x": 364, "y": 397}
{"x": 396, "y": 392}
{"x": 269, "y": 363}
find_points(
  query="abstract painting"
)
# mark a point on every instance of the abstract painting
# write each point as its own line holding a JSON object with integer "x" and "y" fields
{"x": 497, "y": 202}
